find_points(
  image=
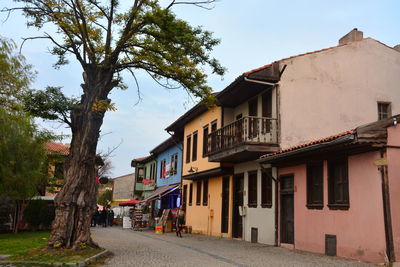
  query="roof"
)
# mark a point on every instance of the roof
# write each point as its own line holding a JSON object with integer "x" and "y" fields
{"x": 315, "y": 142}
{"x": 170, "y": 142}
{"x": 367, "y": 135}
{"x": 141, "y": 160}
{"x": 57, "y": 148}
{"x": 192, "y": 113}
{"x": 314, "y": 52}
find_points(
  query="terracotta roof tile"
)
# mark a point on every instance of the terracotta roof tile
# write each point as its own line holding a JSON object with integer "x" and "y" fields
{"x": 326, "y": 139}
{"x": 57, "y": 148}
{"x": 140, "y": 159}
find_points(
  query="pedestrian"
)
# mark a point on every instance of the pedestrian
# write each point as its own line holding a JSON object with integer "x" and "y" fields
{"x": 103, "y": 216}
{"x": 180, "y": 221}
{"x": 110, "y": 217}
{"x": 95, "y": 218}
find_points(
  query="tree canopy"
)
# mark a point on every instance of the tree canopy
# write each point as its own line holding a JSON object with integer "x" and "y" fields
{"x": 144, "y": 36}
{"x": 15, "y": 76}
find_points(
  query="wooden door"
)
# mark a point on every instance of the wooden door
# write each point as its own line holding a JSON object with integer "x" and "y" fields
{"x": 287, "y": 209}
{"x": 253, "y": 112}
{"x": 225, "y": 205}
{"x": 237, "y": 222}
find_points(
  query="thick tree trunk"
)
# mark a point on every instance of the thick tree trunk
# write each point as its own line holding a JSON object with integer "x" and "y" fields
{"x": 76, "y": 202}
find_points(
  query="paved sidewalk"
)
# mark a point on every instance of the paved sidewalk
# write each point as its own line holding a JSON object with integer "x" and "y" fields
{"x": 148, "y": 249}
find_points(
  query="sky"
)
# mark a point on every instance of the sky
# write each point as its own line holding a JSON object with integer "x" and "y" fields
{"x": 253, "y": 33}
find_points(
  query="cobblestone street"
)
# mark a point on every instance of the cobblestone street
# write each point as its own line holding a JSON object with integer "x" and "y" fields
{"x": 148, "y": 249}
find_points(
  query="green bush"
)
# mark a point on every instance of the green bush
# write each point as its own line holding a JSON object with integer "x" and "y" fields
{"x": 39, "y": 213}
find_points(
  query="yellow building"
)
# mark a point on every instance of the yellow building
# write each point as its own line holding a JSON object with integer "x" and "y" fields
{"x": 207, "y": 186}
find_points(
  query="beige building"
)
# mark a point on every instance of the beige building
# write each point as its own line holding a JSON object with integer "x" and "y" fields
{"x": 123, "y": 187}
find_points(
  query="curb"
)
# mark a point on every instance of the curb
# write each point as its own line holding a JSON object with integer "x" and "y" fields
{"x": 78, "y": 264}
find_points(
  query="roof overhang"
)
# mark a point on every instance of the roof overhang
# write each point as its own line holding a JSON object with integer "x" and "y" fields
{"x": 220, "y": 171}
{"x": 248, "y": 85}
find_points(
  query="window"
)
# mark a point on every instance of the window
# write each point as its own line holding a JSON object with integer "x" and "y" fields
{"x": 198, "y": 193}
{"x": 338, "y": 184}
{"x": 153, "y": 168}
{"x": 194, "y": 156}
{"x": 174, "y": 164}
{"x": 266, "y": 191}
{"x": 205, "y": 192}
{"x": 252, "y": 196}
{"x": 59, "y": 170}
{"x": 140, "y": 175}
{"x": 384, "y": 110}
{"x": 163, "y": 167}
{"x": 205, "y": 140}
{"x": 213, "y": 137}
{"x": 188, "y": 144}
{"x": 190, "y": 194}
{"x": 315, "y": 186}
{"x": 184, "y": 196}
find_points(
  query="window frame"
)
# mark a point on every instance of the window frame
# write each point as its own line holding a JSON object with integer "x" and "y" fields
{"x": 190, "y": 194}
{"x": 188, "y": 147}
{"x": 311, "y": 178}
{"x": 205, "y": 140}
{"x": 388, "y": 111}
{"x": 266, "y": 188}
{"x": 252, "y": 188}
{"x": 333, "y": 202}
{"x": 195, "y": 138}
{"x": 198, "y": 192}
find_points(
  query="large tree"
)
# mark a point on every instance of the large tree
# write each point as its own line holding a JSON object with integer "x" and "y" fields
{"x": 107, "y": 40}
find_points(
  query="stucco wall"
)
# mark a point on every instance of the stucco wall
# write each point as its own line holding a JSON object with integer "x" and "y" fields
{"x": 261, "y": 218}
{"x": 123, "y": 186}
{"x": 337, "y": 90}
{"x": 166, "y": 155}
{"x": 360, "y": 229}
{"x": 393, "y": 158}
{"x": 200, "y": 217}
{"x": 197, "y": 124}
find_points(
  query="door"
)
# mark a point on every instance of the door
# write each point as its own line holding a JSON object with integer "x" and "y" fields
{"x": 237, "y": 222}
{"x": 253, "y": 123}
{"x": 225, "y": 205}
{"x": 287, "y": 209}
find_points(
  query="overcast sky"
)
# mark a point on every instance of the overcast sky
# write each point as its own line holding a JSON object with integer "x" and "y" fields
{"x": 253, "y": 33}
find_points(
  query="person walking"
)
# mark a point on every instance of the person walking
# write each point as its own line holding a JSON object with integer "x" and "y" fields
{"x": 180, "y": 221}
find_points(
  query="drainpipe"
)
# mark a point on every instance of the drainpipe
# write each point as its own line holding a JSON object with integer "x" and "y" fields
{"x": 387, "y": 216}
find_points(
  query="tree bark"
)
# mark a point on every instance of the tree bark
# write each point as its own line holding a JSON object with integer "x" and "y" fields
{"x": 76, "y": 202}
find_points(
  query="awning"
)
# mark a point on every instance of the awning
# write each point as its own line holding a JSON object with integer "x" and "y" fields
{"x": 161, "y": 191}
{"x": 116, "y": 202}
{"x": 131, "y": 202}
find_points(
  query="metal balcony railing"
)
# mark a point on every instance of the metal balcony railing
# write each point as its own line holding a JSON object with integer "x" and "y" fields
{"x": 245, "y": 130}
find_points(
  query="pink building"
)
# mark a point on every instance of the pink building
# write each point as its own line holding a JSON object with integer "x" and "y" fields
{"x": 341, "y": 195}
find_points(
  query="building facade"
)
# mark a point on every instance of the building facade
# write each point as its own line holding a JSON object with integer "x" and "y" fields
{"x": 339, "y": 195}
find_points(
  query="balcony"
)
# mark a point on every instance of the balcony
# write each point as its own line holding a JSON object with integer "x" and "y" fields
{"x": 245, "y": 139}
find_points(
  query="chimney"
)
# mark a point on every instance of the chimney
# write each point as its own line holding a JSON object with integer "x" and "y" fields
{"x": 397, "y": 48}
{"x": 353, "y": 35}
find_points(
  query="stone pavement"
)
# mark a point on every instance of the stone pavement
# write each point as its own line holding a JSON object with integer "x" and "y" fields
{"x": 148, "y": 249}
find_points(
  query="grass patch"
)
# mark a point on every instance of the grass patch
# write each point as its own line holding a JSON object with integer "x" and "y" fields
{"x": 31, "y": 246}
{"x": 15, "y": 244}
